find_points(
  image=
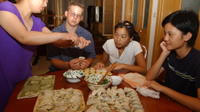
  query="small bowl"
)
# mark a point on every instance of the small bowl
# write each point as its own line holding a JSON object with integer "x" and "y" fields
{"x": 73, "y": 80}
{"x": 116, "y": 80}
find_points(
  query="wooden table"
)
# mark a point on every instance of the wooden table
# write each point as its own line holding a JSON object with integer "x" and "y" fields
{"x": 164, "y": 104}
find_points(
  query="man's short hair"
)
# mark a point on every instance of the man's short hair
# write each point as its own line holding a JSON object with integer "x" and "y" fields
{"x": 186, "y": 21}
{"x": 76, "y": 3}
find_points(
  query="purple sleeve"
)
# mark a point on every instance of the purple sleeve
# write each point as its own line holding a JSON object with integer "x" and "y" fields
{"x": 6, "y": 6}
{"x": 38, "y": 24}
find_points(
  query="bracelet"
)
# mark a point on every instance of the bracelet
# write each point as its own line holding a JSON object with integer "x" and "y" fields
{"x": 81, "y": 57}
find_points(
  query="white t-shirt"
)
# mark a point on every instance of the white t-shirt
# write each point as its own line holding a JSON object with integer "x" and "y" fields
{"x": 127, "y": 56}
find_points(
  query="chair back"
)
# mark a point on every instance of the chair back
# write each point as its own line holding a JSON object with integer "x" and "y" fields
{"x": 144, "y": 50}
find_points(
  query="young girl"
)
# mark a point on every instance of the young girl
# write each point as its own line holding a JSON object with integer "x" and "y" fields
{"x": 179, "y": 59}
{"x": 20, "y": 31}
{"x": 123, "y": 51}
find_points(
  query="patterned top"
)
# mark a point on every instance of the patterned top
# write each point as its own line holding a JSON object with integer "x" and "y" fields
{"x": 183, "y": 75}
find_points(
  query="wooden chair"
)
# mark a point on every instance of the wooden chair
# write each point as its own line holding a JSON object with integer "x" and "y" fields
{"x": 144, "y": 50}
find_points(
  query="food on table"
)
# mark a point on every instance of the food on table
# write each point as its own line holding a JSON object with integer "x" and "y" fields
{"x": 88, "y": 71}
{"x": 114, "y": 100}
{"x": 97, "y": 78}
{"x": 94, "y": 78}
{"x": 63, "y": 100}
{"x": 91, "y": 75}
{"x": 73, "y": 74}
{"x": 105, "y": 83}
{"x": 91, "y": 71}
{"x": 35, "y": 84}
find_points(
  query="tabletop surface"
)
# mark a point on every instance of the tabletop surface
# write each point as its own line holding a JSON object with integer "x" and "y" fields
{"x": 164, "y": 104}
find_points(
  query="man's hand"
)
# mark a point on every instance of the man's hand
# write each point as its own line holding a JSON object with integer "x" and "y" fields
{"x": 74, "y": 63}
{"x": 84, "y": 63}
{"x": 79, "y": 63}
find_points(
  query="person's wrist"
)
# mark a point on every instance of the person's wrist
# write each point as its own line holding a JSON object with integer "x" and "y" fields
{"x": 88, "y": 64}
{"x": 162, "y": 88}
{"x": 148, "y": 78}
{"x": 124, "y": 66}
{"x": 61, "y": 36}
{"x": 164, "y": 53}
{"x": 67, "y": 66}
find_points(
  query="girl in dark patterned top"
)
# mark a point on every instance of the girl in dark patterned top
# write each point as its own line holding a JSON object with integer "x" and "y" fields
{"x": 179, "y": 59}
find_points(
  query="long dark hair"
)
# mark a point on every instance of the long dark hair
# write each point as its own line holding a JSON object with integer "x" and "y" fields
{"x": 130, "y": 28}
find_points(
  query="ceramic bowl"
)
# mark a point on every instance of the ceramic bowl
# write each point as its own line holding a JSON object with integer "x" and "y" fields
{"x": 116, "y": 80}
{"x": 73, "y": 80}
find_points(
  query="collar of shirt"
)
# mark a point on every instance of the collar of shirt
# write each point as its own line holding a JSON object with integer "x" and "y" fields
{"x": 64, "y": 29}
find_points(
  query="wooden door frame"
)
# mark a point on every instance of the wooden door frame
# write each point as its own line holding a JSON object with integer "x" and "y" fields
{"x": 159, "y": 29}
{"x": 116, "y": 15}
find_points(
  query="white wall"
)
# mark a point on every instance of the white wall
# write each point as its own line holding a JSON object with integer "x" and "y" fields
{"x": 152, "y": 33}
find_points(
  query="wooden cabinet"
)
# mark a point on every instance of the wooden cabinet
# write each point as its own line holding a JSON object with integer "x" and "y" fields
{"x": 108, "y": 9}
{"x": 112, "y": 14}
